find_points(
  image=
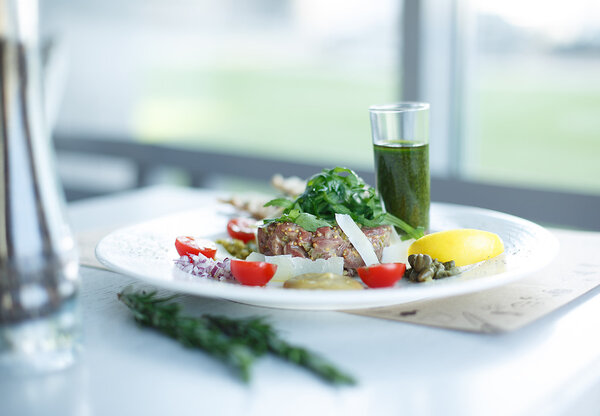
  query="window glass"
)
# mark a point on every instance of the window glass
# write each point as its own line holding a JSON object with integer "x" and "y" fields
{"x": 288, "y": 79}
{"x": 535, "y": 94}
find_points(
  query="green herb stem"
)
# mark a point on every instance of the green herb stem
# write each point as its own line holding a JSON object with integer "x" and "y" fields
{"x": 261, "y": 337}
{"x": 155, "y": 312}
{"x": 310, "y": 361}
{"x": 411, "y": 232}
{"x": 236, "y": 342}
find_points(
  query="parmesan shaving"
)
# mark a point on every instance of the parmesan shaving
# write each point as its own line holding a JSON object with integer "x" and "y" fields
{"x": 358, "y": 239}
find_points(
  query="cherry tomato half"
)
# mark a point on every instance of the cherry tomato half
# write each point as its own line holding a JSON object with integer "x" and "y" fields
{"x": 382, "y": 275}
{"x": 252, "y": 273}
{"x": 192, "y": 245}
{"x": 242, "y": 229}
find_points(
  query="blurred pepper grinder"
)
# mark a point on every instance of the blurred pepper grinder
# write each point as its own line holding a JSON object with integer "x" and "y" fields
{"x": 39, "y": 323}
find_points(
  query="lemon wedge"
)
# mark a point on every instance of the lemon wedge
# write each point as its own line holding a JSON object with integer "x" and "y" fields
{"x": 464, "y": 246}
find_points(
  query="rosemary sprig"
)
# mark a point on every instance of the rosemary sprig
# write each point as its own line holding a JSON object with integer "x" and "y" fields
{"x": 236, "y": 342}
{"x": 261, "y": 337}
{"x": 165, "y": 316}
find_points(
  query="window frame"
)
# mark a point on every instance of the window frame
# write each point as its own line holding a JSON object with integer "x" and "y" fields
{"x": 436, "y": 60}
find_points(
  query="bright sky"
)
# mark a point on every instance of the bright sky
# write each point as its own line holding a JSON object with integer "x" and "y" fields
{"x": 318, "y": 16}
{"x": 559, "y": 18}
{"x": 562, "y": 20}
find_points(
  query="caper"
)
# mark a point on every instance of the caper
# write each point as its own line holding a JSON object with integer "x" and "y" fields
{"x": 425, "y": 268}
{"x": 411, "y": 260}
{"x": 236, "y": 248}
{"x": 422, "y": 262}
{"x": 453, "y": 271}
{"x": 441, "y": 275}
{"x": 449, "y": 265}
{"x": 412, "y": 275}
{"x": 425, "y": 275}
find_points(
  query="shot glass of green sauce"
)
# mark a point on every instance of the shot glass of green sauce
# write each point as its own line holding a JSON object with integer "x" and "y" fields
{"x": 401, "y": 150}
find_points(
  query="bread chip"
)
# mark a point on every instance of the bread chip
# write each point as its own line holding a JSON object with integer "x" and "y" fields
{"x": 254, "y": 205}
{"x": 291, "y": 186}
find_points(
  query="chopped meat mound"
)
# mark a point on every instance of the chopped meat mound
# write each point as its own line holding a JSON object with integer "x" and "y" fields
{"x": 279, "y": 238}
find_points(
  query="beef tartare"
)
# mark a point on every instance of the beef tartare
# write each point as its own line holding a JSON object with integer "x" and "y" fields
{"x": 279, "y": 238}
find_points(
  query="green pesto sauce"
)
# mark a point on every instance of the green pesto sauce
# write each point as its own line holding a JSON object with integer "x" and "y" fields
{"x": 402, "y": 170}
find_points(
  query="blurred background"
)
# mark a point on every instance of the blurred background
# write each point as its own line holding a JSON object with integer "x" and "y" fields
{"x": 219, "y": 93}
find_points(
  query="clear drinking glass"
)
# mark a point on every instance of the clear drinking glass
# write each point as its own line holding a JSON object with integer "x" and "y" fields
{"x": 39, "y": 323}
{"x": 401, "y": 148}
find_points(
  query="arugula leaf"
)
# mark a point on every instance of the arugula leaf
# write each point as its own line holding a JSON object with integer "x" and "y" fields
{"x": 338, "y": 190}
{"x": 309, "y": 222}
{"x": 280, "y": 202}
{"x": 305, "y": 220}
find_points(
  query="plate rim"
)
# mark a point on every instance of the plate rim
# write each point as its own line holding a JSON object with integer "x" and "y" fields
{"x": 336, "y": 300}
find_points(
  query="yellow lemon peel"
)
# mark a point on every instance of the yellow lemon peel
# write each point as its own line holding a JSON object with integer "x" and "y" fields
{"x": 464, "y": 246}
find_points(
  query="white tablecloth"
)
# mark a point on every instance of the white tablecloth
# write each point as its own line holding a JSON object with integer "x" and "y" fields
{"x": 550, "y": 367}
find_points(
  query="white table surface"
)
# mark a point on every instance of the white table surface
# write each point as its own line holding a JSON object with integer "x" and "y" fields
{"x": 551, "y": 367}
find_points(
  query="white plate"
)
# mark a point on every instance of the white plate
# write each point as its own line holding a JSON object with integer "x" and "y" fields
{"x": 146, "y": 252}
